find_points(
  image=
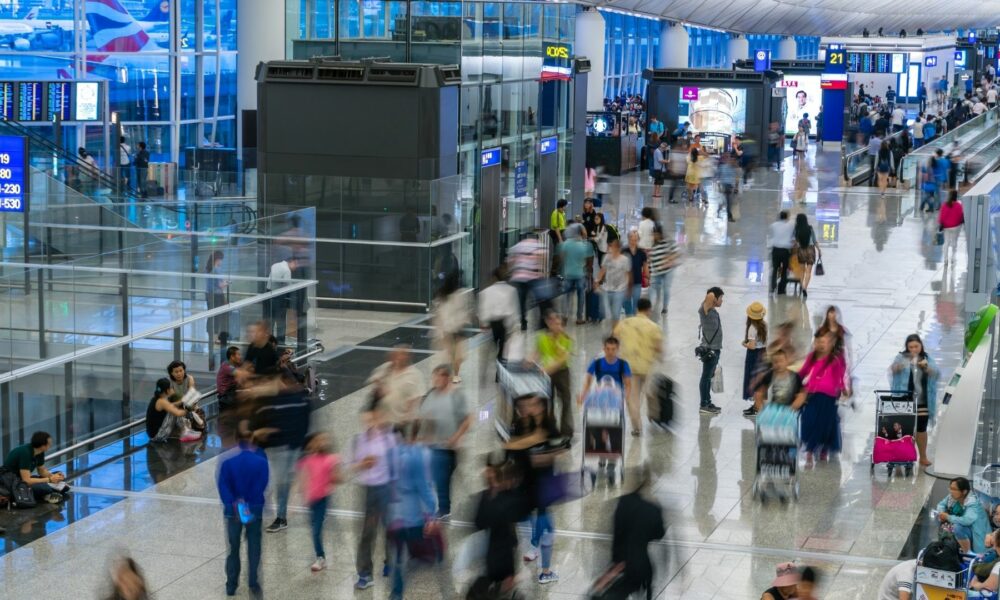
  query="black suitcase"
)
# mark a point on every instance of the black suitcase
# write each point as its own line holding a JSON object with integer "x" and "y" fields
{"x": 595, "y": 312}
{"x": 664, "y": 393}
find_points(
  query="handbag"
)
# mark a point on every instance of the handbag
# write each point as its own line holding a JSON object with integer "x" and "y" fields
{"x": 717, "y": 386}
{"x": 611, "y": 585}
{"x": 939, "y": 237}
{"x": 820, "y": 271}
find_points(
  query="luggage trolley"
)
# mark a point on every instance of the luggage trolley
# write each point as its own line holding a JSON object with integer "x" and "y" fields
{"x": 928, "y": 581}
{"x": 986, "y": 483}
{"x": 777, "y": 438}
{"x": 604, "y": 427}
{"x": 895, "y": 426}
{"x": 518, "y": 379}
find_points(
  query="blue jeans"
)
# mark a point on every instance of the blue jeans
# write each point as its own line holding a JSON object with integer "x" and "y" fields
{"x": 400, "y": 553}
{"x": 443, "y": 462}
{"x": 317, "y": 513}
{"x": 632, "y": 305}
{"x": 659, "y": 288}
{"x": 282, "y": 464}
{"x": 707, "y": 373}
{"x": 962, "y": 532}
{"x": 543, "y": 534}
{"x": 614, "y": 302}
{"x": 234, "y": 533}
{"x": 580, "y": 285}
{"x": 929, "y": 199}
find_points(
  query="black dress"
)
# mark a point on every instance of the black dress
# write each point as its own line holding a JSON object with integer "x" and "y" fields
{"x": 497, "y": 514}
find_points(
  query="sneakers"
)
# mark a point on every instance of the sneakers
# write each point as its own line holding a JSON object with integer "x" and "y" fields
{"x": 549, "y": 577}
{"x": 53, "y": 498}
{"x": 709, "y": 409}
{"x": 531, "y": 554}
{"x": 364, "y": 582}
{"x": 277, "y": 525}
{"x": 319, "y": 565}
{"x": 190, "y": 435}
{"x": 750, "y": 413}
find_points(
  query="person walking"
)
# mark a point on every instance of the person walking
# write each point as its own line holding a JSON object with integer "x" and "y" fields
{"x": 445, "y": 415}
{"x": 825, "y": 375}
{"x": 241, "y": 480}
{"x": 553, "y": 349}
{"x": 526, "y": 264}
{"x": 399, "y": 385}
{"x": 806, "y": 250}
{"x": 498, "y": 309}
{"x": 664, "y": 257}
{"x": 646, "y": 228}
{"x": 370, "y": 456}
{"x": 142, "y": 170}
{"x": 615, "y": 280}
{"x": 874, "y": 145}
{"x": 319, "y": 474}
{"x": 755, "y": 342}
{"x": 728, "y": 179}
{"x": 642, "y": 348}
{"x": 124, "y": 164}
{"x": 915, "y": 371}
{"x": 885, "y": 165}
{"x": 658, "y": 169}
{"x": 928, "y": 184}
{"x": 781, "y": 234}
{"x": 800, "y": 144}
{"x": 640, "y": 272}
{"x": 950, "y": 220}
{"x": 451, "y": 313}
{"x": 574, "y": 253}
{"x": 215, "y": 294}
{"x": 676, "y": 170}
{"x": 637, "y": 521}
{"x": 710, "y": 346}
{"x": 692, "y": 177}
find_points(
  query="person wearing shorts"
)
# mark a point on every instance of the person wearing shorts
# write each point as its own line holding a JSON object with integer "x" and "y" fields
{"x": 915, "y": 371}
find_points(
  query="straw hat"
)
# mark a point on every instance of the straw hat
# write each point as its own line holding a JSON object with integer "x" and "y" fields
{"x": 756, "y": 311}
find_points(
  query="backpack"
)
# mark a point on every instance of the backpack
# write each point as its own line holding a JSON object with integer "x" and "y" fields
{"x": 16, "y": 490}
{"x": 943, "y": 554}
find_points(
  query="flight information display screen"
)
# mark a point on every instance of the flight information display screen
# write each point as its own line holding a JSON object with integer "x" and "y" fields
{"x": 29, "y": 101}
{"x": 59, "y": 96}
{"x": 6, "y": 100}
{"x": 12, "y": 173}
{"x": 876, "y": 62}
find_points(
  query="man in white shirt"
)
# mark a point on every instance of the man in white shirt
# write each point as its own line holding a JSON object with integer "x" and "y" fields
{"x": 898, "y": 582}
{"x": 780, "y": 234}
{"x": 918, "y": 131}
{"x": 898, "y": 119}
{"x": 979, "y": 107}
{"x": 280, "y": 306}
{"x": 124, "y": 161}
{"x": 991, "y": 96}
{"x": 498, "y": 309}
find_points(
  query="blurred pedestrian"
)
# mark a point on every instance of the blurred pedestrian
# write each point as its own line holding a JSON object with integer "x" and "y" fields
{"x": 498, "y": 309}
{"x": 637, "y": 521}
{"x": 615, "y": 280}
{"x": 825, "y": 376}
{"x": 445, "y": 415}
{"x": 501, "y": 506}
{"x": 951, "y": 220}
{"x": 574, "y": 253}
{"x": 664, "y": 257}
{"x": 242, "y": 479}
{"x": 261, "y": 354}
{"x": 641, "y": 348}
{"x": 400, "y": 385}
{"x": 450, "y": 315}
{"x": 640, "y": 272}
{"x": 729, "y": 176}
{"x": 806, "y": 589}
{"x": 370, "y": 456}
{"x": 526, "y": 261}
{"x": 280, "y": 424}
{"x": 807, "y": 250}
{"x": 127, "y": 581}
{"x": 319, "y": 474}
{"x": 413, "y": 506}
{"x": 553, "y": 348}
{"x": 215, "y": 293}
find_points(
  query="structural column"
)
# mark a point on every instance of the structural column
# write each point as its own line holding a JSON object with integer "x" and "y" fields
{"x": 590, "y": 35}
{"x": 260, "y": 37}
{"x": 788, "y": 49}
{"x": 674, "y": 43}
{"x": 739, "y": 48}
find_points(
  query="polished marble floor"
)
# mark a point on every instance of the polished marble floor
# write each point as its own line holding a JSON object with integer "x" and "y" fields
{"x": 882, "y": 271}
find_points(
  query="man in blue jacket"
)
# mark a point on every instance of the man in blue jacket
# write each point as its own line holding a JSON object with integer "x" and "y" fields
{"x": 242, "y": 479}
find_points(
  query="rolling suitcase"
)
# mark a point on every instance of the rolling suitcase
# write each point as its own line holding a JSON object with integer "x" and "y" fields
{"x": 595, "y": 311}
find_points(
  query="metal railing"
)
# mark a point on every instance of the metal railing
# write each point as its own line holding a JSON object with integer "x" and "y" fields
{"x": 855, "y": 164}
{"x": 317, "y": 348}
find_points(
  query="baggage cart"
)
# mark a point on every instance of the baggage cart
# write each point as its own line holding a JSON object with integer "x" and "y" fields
{"x": 895, "y": 426}
{"x": 517, "y": 378}
{"x": 986, "y": 483}
{"x": 776, "y": 433}
{"x": 604, "y": 429}
{"x": 938, "y": 583}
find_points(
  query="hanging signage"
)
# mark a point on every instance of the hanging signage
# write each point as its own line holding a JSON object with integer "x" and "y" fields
{"x": 836, "y": 61}
{"x": 490, "y": 158}
{"x": 13, "y": 170}
{"x": 761, "y": 60}
{"x": 689, "y": 93}
{"x": 520, "y": 179}
{"x": 548, "y": 145}
{"x": 930, "y": 61}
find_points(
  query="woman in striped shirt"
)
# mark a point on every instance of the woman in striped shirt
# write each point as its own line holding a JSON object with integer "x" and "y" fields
{"x": 663, "y": 257}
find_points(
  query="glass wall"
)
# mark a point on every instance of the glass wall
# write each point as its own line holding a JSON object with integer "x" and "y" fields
{"x": 631, "y": 44}
{"x": 707, "y": 49}
{"x": 170, "y": 64}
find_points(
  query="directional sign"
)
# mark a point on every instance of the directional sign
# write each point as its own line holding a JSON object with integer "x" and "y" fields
{"x": 761, "y": 60}
{"x": 490, "y": 157}
{"x": 689, "y": 93}
{"x": 548, "y": 145}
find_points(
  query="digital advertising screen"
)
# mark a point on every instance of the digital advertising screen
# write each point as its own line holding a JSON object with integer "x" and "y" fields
{"x": 804, "y": 95}
{"x": 713, "y": 110}
{"x": 59, "y": 100}
{"x": 87, "y": 101}
{"x": 7, "y": 100}
{"x": 29, "y": 101}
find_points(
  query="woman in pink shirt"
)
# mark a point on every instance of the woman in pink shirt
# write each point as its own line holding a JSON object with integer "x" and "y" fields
{"x": 950, "y": 220}
{"x": 319, "y": 473}
{"x": 825, "y": 377}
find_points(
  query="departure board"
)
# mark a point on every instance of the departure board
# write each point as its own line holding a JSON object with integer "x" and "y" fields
{"x": 6, "y": 100}
{"x": 876, "y": 62}
{"x": 13, "y": 171}
{"x": 59, "y": 99}
{"x": 29, "y": 101}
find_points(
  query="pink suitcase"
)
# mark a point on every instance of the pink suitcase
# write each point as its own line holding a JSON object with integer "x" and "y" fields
{"x": 902, "y": 450}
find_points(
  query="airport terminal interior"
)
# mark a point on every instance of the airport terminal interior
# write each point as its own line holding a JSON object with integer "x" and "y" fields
{"x": 520, "y": 299}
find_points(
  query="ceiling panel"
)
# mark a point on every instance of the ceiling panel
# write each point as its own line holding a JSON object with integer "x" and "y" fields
{"x": 818, "y": 17}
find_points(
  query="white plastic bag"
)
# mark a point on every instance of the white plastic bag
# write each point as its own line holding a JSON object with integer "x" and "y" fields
{"x": 717, "y": 387}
